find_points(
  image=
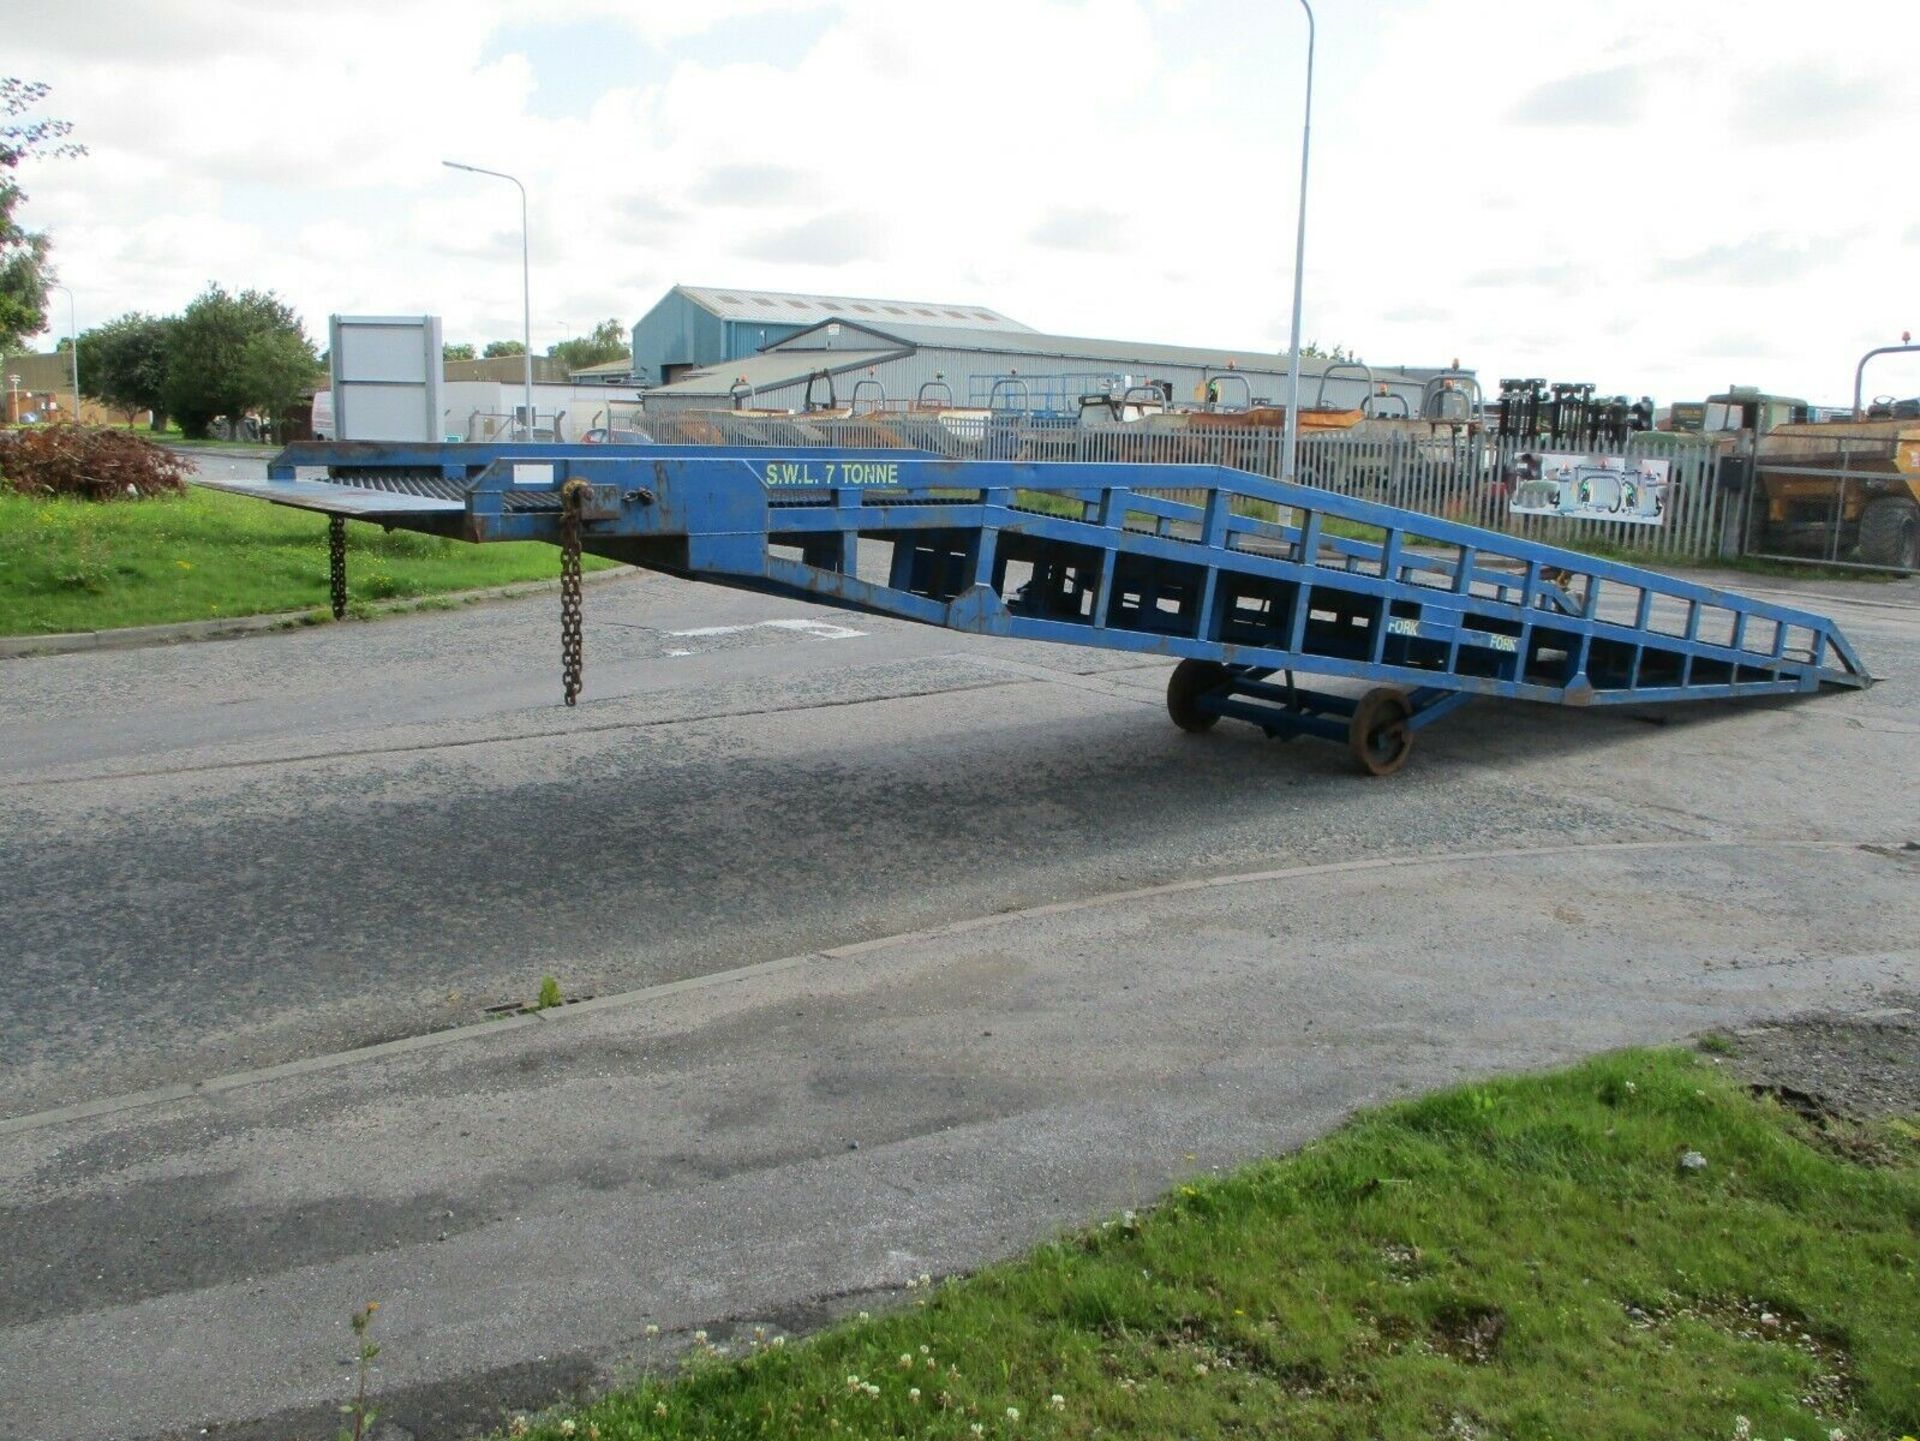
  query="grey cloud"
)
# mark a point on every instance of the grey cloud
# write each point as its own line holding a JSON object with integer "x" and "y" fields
{"x": 1769, "y": 258}
{"x": 647, "y": 210}
{"x": 1091, "y": 229}
{"x": 837, "y": 238}
{"x": 753, "y": 183}
{"x": 1560, "y": 277}
{"x": 1804, "y": 102}
{"x": 500, "y": 245}
{"x": 147, "y": 33}
{"x": 1738, "y": 345}
{"x": 1612, "y": 97}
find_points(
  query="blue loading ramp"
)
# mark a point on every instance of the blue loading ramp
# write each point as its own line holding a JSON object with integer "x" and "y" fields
{"x": 1249, "y": 583}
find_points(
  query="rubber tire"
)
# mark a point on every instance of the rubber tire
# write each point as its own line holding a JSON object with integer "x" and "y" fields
{"x": 1890, "y": 534}
{"x": 1190, "y": 680}
{"x": 1379, "y": 736}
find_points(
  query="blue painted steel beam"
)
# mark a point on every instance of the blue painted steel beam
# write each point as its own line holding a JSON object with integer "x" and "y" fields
{"x": 1249, "y": 572}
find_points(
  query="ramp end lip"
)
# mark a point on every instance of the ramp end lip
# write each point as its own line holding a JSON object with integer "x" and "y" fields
{"x": 330, "y": 499}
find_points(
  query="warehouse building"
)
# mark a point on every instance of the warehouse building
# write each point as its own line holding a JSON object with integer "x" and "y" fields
{"x": 875, "y": 351}
{"x": 697, "y": 326}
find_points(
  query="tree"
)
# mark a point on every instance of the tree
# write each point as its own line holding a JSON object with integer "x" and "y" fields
{"x": 607, "y": 342}
{"x": 124, "y": 364}
{"x": 497, "y": 348}
{"x": 23, "y": 253}
{"x": 451, "y": 351}
{"x": 210, "y": 367}
{"x": 1313, "y": 350}
{"x": 277, "y": 366}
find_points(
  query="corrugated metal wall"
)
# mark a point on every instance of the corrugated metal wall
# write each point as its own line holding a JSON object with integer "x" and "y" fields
{"x": 904, "y": 377}
{"x": 747, "y": 337}
{"x": 676, "y": 332}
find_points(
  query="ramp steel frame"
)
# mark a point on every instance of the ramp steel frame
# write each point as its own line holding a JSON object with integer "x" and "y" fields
{"x": 1239, "y": 578}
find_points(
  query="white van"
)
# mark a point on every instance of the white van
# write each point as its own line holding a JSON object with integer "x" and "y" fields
{"x": 323, "y": 415}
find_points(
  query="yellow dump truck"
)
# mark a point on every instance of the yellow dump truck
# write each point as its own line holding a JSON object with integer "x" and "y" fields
{"x": 1849, "y": 488}
{"x": 1845, "y": 487}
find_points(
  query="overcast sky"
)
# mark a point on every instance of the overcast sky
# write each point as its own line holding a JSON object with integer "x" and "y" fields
{"x": 1659, "y": 196}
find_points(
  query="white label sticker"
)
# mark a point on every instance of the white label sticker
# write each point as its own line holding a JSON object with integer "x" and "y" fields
{"x": 529, "y": 473}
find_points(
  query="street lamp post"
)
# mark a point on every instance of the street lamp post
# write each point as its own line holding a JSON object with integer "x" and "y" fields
{"x": 1292, "y": 467}
{"x": 526, "y": 285}
{"x": 73, "y": 343}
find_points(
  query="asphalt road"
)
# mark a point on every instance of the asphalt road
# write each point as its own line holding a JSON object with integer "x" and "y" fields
{"x": 222, "y": 858}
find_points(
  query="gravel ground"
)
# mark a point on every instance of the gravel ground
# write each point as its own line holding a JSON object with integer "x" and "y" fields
{"x": 1860, "y": 1066}
{"x": 829, "y": 887}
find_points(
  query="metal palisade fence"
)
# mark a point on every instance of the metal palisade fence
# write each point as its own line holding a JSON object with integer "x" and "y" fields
{"x": 1431, "y": 469}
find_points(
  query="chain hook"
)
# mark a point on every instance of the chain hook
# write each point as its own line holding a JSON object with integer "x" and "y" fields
{"x": 337, "y": 564}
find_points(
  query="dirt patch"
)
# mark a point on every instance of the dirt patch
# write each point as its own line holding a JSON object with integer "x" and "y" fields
{"x": 1468, "y": 1331}
{"x": 1858, "y": 1066}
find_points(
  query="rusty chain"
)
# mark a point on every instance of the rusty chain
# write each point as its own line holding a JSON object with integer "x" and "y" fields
{"x": 572, "y": 646}
{"x": 337, "y": 564}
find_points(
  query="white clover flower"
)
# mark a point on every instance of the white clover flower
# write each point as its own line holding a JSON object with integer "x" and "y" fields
{"x": 1013, "y": 1413}
{"x": 1200, "y": 1368}
{"x": 659, "y": 1408}
{"x": 652, "y": 1331}
{"x": 906, "y": 1361}
{"x": 566, "y": 1427}
{"x": 912, "y": 1281}
{"x": 1742, "y": 1428}
{"x": 518, "y": 1426}
{"x": 977, "y": 1429}
{"x": 853, "y": 1383}
{"x": 759, "y": 1333}
{"x": 925, "y": 1279}
{"x": 1057, "y": 1401}
{"x": 700, "y": 1338}
{"x": 913, "y": 1394}
{"x": 777, "y": 1342}
{"x": 925, "y": 1349}
{"x": 871, "y": 1389}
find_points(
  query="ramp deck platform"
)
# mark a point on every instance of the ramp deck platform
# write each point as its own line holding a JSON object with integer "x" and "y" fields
{"x": 1240, "y": 578}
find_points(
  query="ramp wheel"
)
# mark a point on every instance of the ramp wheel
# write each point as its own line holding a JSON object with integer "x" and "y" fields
{"x": 1192, "y": 679}
{"x": 1380, "y": 736}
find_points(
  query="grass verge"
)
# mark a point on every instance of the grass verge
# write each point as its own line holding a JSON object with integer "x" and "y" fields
{"x": 175, "y": 441}
{"x": 68, "y": 565}
{"x": 1527, "y": 1258}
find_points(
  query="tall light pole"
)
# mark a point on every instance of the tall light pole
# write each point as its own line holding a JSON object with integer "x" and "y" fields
{"x": 1292, "y": 467}
{"x": 73, "y": 346}
{"x": 526, "y": 281}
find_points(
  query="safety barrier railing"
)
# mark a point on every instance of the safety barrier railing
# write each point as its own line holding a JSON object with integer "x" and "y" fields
{"x": 1448, "y": 471}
